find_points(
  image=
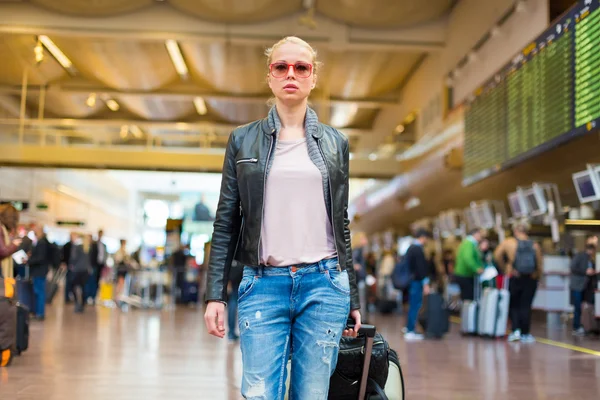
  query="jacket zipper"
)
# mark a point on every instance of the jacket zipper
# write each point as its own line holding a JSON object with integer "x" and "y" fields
{"x": 330, "y": 197}
{"x": 237, "y": 244}
{"x": 262, "y": 209}
{"x": 247, "y": 160}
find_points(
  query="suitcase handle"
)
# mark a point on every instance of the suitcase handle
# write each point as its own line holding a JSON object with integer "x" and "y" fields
{"x": 365, "y": 329}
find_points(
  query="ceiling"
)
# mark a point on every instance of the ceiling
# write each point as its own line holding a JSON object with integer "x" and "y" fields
{"x": 118, "y": 51}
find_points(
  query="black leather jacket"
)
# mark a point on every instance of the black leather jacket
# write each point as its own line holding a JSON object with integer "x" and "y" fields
{"x": 238, "y": 222}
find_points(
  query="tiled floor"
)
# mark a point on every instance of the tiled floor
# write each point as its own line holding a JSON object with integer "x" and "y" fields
{"x": 109, "y": 355}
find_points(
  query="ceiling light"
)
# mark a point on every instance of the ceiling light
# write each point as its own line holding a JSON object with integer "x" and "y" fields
{"x": 495, "y": 32}
{"x": 410, "y": 118}
{"x": 57, "y": 53}
{"x": 124, "y": 131}
{"x": 136, "y": 131}
{"x": 177, "y": 58}
{"x": 112, "y": 104}
{"x": 200, "y": 105}
{"x": 372, "y": 156}
{"x": 399, "y": 128}
{"x": 350, "y": 156}
{"x": 91, "y": 100}
{"x": 520, "y": 6}
{"x": 472, "y": 57}
{"x": 38, "y": 50}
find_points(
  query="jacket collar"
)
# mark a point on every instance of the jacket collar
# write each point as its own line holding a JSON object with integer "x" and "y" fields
{"x": 272, "y": 124}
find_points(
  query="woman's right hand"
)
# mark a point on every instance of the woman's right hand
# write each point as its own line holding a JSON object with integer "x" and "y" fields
{"x": 214, "y": 318}
{"x": 17, "y": 242}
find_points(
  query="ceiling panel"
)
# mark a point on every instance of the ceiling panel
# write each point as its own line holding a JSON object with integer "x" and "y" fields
{"x": 244, "y": 11}
{"x": 94, "y": 8}
{"x": 381, "y": 14}
{"x": 16, "y": 53}
{"x": 157, "y": 108}
{"x": 365, "y": 74}
{"x": 122, "y": 64}
{"x": 238, "y": 113}
{"x": 228, "y": 67}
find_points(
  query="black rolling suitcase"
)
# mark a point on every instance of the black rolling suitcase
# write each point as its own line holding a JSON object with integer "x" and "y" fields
{"x": 367, "y": 369}
{"x": 22, "y": 339}
{"x": 435, "y": 316}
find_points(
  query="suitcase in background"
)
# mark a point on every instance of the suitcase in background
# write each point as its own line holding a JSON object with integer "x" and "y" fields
{"x": 469, "y": 312}
{"x": 8, "y": 333}
{"x": 22, "y": 338}
{"x": 53, "y": 284}
{"x": 493, "y": 312}
{"x": 25, "y": 294}
{"x": 588, "y": 318}
{"x": 436, "y": 316}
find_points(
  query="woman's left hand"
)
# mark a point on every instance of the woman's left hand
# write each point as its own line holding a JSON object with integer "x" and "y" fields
{"x": 355, "y": 315}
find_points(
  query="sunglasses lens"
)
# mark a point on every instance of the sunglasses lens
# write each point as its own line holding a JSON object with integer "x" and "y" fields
{"x": 302, "y": 69}
{"x": 279, "y": 70}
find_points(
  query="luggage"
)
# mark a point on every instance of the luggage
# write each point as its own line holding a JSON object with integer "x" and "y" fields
{"x": 493, "y": 312}
{"x": 106, "y": 291}
{"x": 377, "y": 377}
{"x": 8, "y": 333}
{"x": 25, "y": 293}
{"x": 435, "y": 318}
{"x": 588, "y": 318}
{"x": 22, "y": 324}
{"x": 53, "y": 284}
{"x": 469, "y": 311}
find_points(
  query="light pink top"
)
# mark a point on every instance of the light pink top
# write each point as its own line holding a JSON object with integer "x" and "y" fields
{"x": 296, "y": 227}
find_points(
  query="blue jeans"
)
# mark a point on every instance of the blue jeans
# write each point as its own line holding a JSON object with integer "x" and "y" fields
{"x": 39, "y": 289}
{"x": 415, "y": 299}
{"x": 299, "y": 310}
{"x": 577, "y": 300}
{"x": 232, "y": 307}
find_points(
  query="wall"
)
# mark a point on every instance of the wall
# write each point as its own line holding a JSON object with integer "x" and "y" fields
{"x": 74, "y": 195}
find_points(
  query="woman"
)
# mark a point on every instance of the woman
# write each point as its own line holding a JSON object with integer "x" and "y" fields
{"x": 81, "y": 266}
{"x": 9, "y": 218}
{"x": 123, "y": 262}
{"x": 283, "y": 214}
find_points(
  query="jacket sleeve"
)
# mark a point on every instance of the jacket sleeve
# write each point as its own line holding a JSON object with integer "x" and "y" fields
{"x": 473, "y": 259}
{"x": 6, "y": 251}
{"x": 225, "y": 229}
{"x": 354, "y": 299}
{"x": 579, "y": 264}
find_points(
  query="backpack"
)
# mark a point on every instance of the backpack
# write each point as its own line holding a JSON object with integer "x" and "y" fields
{"x": 401, "y": 276}
{"x": 525, "y": 257}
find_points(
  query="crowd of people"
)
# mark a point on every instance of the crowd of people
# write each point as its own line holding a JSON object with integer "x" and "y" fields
{"x": 517, "y": 260}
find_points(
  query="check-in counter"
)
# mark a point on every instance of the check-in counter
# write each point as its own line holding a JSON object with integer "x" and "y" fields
{"x": 553, "y": 293}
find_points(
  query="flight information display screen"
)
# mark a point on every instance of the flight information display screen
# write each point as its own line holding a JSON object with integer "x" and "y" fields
{"x": 547, "y": 94}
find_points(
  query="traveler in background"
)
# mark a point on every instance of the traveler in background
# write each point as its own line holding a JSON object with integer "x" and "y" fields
{"x": 235, "y": 277}
{"x": 286, "y": 177}
{"x": 39, "y": 263}
{"x": 81, "y": 266}
{"x": 523, "y": 266}
{"x": 66, "y": 260}
{"x": 359, "y": 249}
{"x": 582, "y": 269}
{"x": 419, "y": 286}
{"x": 99, "y": 255}
{"x": 468, "y": 264}
{"x": 9, "y": 219}
{"x": 123, "y": 262}
{"x": 448, "y": 261}
{"x": 591, "y": 240}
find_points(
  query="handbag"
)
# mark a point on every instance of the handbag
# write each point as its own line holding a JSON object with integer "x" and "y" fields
{"x": 345, "y": 381}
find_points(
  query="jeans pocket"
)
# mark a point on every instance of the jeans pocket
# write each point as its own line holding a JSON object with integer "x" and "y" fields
{"x": 246, "y": 286}
{"x": 339, "y": 280}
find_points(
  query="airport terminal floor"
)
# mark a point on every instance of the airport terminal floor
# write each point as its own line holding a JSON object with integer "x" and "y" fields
{"x": 140, "y": 354}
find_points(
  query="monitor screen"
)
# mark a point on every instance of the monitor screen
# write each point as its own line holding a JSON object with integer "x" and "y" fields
{"x": 585, "y": 186}
{"x": 531, "y": 200}
{"x": 515, "y": 205}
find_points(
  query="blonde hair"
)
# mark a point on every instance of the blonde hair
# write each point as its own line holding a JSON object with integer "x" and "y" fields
{"x": 295, "y": 40}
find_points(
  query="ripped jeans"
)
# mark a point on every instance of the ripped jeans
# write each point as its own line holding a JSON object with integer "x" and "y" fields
{"x": 300, "y": 311}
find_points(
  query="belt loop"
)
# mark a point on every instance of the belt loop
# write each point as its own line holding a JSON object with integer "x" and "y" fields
{"x": 322, "y": 266}
{"x": 259, "y": 271}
